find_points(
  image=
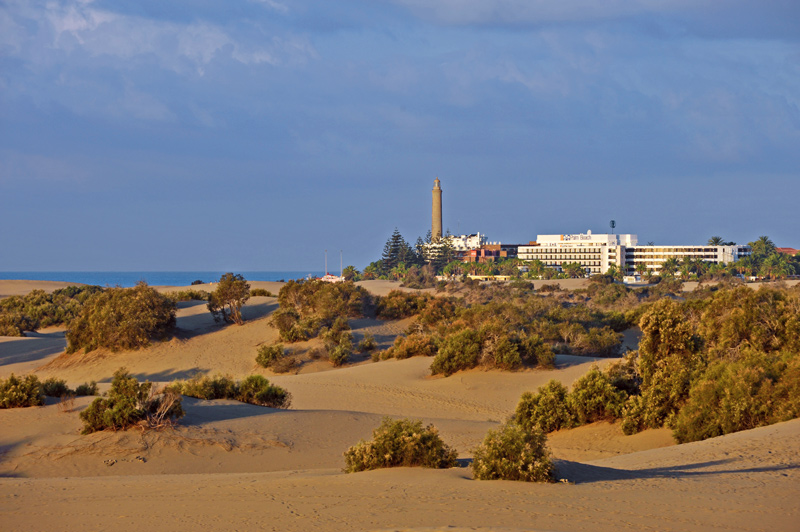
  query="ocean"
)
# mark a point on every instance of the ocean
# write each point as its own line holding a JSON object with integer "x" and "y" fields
{"x": 127, "y": 279}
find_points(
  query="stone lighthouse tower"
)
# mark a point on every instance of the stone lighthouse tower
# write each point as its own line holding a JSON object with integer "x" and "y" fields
{"x": 436, "y": 219}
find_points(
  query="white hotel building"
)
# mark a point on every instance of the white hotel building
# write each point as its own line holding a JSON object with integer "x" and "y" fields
{"x": 596, "y": 253}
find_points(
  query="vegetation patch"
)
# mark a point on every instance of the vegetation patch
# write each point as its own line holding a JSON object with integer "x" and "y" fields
{"x": 20, "y": 392}
{"x": 400, "y": 443}
{"x": 121, "y": 318}
{"x": 130, "y": 403}
{"x": 39, "y": 309}
{"x": 513, "y": 452}
{"x": 254, "y": 389}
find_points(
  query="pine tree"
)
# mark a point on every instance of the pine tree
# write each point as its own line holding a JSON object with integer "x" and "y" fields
{"x": 394, "y": 252}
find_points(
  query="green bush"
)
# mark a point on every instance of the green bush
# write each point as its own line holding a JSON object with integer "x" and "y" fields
{"x": 339, "y": 354}
{"x": 53, "y": 387}
{"x": 130, "y": 403}
{"x": 367, "y": 344}
{"x": 188, "y": 295}
{"x": 225, "y": 303}
{"x": 594, "y": 398}
{"x": 458, "y": 351}
{"x": 513, "y": 453}
{"x": 534, "y": 350}
{"x": 87, "y": 388}
{"x": 255, "y": 292}
{"x": 17, "y": 392}
{"x": 39, "y": 309}
{"x": 121, "y": 318}
{"x": 257, "y": 390}
{"x": 397, "y": 305}
{"x": 548, "y": 409}
{"x": 400, "y": 443}
{"x": 598, "y": 342}
{"x": 208, "y": 388}
{"x": 269, "y": 355}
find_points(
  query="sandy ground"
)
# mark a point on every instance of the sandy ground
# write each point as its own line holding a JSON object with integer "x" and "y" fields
{"x": 232, "y": 466}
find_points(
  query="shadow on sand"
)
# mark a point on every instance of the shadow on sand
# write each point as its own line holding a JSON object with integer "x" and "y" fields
{"x": 585, "y": 473}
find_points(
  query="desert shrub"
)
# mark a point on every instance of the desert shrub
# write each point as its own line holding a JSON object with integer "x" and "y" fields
{"x": 131, "y": 403}
{"x": 534, "y": 350}
{"x": 398, "y": 304}
{"x": 197, "y": 281}
{"x": 458, "y": 351}
{"x": 740, "y": 395}
{"x": 53, "y": 387}
{"x": 269, "y": 355}
{"x": 18, "y": 392}
{"x": 416, "y": 344}
{"x": 188, "y": 295}
{"x": 324, "y": 302}
{"x": 121, "y": 318}
{"x": 400, "y": 443}
{"x": 420, "y": 277}
{"x": 501, "y": 351}
{"x": 598, "y": 341}
{"x": 257, "y": 390}
{"x": 87, "y": 388}
{"x": 339, "y": 354}
{"x": 549, "y": 288}
{"x": 438, "y": 311}
{"x": 204, "y": 387}
{"x": 513, "y": 452}
{"x": 367, "y": 344}
{"x": 633, "y": 415}
{"x": 548, "y": 409}
{"x": 284, "y": 365}
{"x": 255, "y": 292}
{"x": 225, "y": 303}
{"x": 333, "y": 334}
{"x": 594, "y": 398}
{"x": 39, "y": 309}
{"x": 291, "y": 327}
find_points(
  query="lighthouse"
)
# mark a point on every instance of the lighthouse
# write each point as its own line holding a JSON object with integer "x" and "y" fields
{"x": 436, "y": 217}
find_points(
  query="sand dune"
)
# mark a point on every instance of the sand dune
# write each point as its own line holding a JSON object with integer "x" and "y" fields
{"x": 232, "y": 466}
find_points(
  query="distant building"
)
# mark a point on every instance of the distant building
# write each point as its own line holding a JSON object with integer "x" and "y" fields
{"x": 598, "y": 252}
{"x": 788, "y": 251}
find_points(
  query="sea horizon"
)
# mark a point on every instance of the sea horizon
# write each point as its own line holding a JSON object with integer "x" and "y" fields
{"x": 154, "y": 278}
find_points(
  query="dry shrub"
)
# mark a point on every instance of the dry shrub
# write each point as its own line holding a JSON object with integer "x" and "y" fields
{"x": 400, "y": 443}
{"x": 130, "y": 403}
{"x": 594, "y": 398}
{"x": 66, "y": 404}
{"x": 513, "y": 453}
{"x": 415, "y": 344}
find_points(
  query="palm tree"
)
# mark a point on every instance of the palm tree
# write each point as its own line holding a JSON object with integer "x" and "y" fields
{"x": 763, "y": 246}
{"x": 686, "y": 267}
{"x": 641, "y": 268}
{"x": 776, "y": 266}
{"x": 669, "y": 267}
{"x": 716, "y": 241}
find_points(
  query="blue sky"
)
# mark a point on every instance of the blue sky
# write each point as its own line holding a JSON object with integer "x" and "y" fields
{"x": 255, "y": 134}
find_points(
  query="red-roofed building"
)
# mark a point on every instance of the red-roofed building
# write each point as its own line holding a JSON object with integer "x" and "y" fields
{"x": 788, "y": 251}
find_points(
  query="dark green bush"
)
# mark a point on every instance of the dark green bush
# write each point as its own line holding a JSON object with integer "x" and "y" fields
{"x": 121, "y": 318}
{"x": 269, "y": 355}
{"x": 188, "y": 295}
{"x": 263, "y": 292}
{"x": 257, "y": 390}
{"x": 39, "y": 309}
{"x": 367, "y": 343}
{"x": 339, "y": 354}
{"x": 18, "y": 392}
{"x": 130, "y": 403}
{"x": 398, "y": 305}
{"x": 594, "y": 398}
{"x": 458, "y": 351}
{"x": 513, "y": 452}
{"x": 225, "y": 303}
{"x": 87, "y": 388}
{"x": 400, "y": 443}
{"x": 53, "y": 387}
{"x": 548, "y": 409}
{"x": 204, "y": 387}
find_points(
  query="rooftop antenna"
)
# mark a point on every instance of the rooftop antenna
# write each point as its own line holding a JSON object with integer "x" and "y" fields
{"x": 326, "y": 262}
{"x": 341, "y": 264}
{"x": 613, "y": 224}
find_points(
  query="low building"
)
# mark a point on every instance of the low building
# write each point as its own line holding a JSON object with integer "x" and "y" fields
{"x": 596, "y": 253}
{"x": 599, "y": 252}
